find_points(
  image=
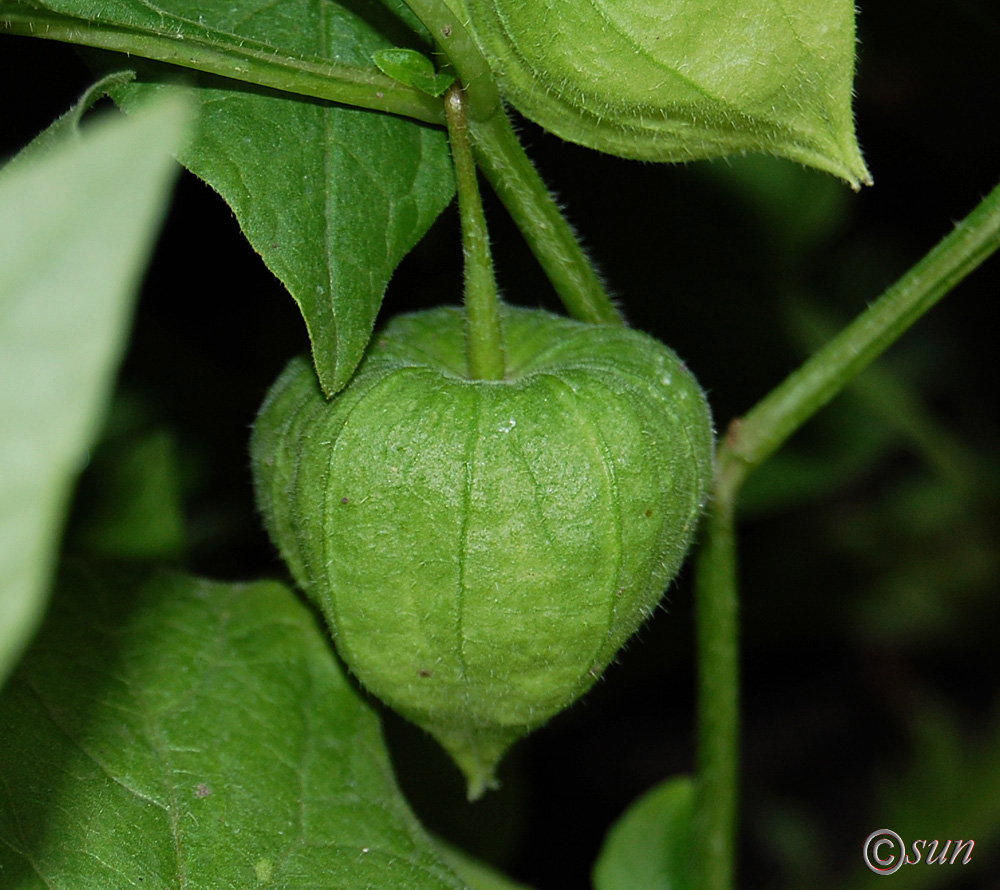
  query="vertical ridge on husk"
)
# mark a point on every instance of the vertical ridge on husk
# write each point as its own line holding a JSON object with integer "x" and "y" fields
{"x": 480, "y": 549}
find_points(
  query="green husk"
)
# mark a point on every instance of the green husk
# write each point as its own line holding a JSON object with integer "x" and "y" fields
{"x": 481, "y": 549}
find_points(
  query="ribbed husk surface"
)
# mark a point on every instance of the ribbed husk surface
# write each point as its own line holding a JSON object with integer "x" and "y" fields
{"x": 481, "y": 549}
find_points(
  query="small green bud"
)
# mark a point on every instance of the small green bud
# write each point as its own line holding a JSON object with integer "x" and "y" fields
{"x": 481, "y": 549}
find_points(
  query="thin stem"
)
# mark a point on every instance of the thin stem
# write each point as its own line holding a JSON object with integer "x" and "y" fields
{"x": 747, "y": 444}
{"x": 201, "y": 50}
{"x": 513, "y": 176}
{"x": 550, "y": 237}
{"x": 484, "y": 336}
{"x": 771, "y": 421}
{"x": 716, "y": 622}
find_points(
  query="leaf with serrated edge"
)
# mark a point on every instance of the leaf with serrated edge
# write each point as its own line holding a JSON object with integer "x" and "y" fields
{"x": 77, "y": 221}
{"x": 331, "y": 197}
{"x": 168, "y": 731}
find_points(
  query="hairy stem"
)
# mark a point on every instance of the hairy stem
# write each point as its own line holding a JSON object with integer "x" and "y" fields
{"x": 716, "y": 623}
{"x": 513, "y": 176}
{"x": 482, "y": 96}
{"x": 498, "y": 150}
{"x": 767, "y": 426}
{"x": 550, "y": 237}
{"x": 201, "y": 49}
{"x": 748, "y": 443}
{"x": 484, "y": 336}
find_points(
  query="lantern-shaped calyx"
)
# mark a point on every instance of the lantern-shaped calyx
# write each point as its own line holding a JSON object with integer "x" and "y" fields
{"x": 481, "y": 549}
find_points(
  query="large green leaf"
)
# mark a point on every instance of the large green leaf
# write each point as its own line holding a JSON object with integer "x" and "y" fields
{"x": 168, "y": 731}
{"x": 682, "y": 80}
{"x": 331, "y": 197}
{"x": 77, "y": 219}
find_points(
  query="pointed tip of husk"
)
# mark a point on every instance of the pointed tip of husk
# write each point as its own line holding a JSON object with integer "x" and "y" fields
{"x": 857, "y": 173}
{"x": 478, "y": 785}
{"x": 477, "y": 752}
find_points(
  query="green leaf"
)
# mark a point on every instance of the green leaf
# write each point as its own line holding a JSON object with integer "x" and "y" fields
{"x": 331, "y": 197}
{"x": 414, "y": 69}
{"x": 76, "y": 225}
{"x": 67, "y": 127}
{"x": 168, "y": 731}
{"x": 648, "y": 848}
{"x": 685, "y": 80}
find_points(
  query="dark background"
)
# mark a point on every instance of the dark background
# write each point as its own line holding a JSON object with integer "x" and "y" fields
{"x": 869, "y": 558}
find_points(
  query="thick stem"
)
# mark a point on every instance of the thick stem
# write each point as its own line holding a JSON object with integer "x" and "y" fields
{"x": 201, "y": 50}
{"x": 747, "y": 444}
{"x": 550, "y": 237}
{"x": 482, "y": 97}
{"x": 718, "y": 700}
{"x": 484, "y": 335}
{"x": 767, "y": 426}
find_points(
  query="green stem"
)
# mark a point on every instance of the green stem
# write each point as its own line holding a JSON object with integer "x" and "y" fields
{"x": 482, "y": 96}
{"x": 484, "y": 335}
{"x": 499, "y": 152}
{"x": 200, "y": 49}
{"x": 513, "y": 176}
{"x": 550, "y": 237}
{"x": 900, "y": 407}
{"x": 747, "y": 444}
{"x": 768, "y": 425}
{"x": 716, "y": 623}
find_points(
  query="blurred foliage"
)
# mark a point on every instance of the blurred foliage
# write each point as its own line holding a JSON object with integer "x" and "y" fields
{"x": 131, "y": 498}
{"x": 869, "y": 546}
{"x": 651, "y": 844}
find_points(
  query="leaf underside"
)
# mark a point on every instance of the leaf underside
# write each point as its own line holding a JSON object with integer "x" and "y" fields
{"x": 681, "y": 81}
{"x": 78, "y": 215}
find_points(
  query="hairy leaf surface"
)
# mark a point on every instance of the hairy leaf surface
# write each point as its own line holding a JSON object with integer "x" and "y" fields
{"x": 682, "y": 80}
{"x": 167, "y": 731}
